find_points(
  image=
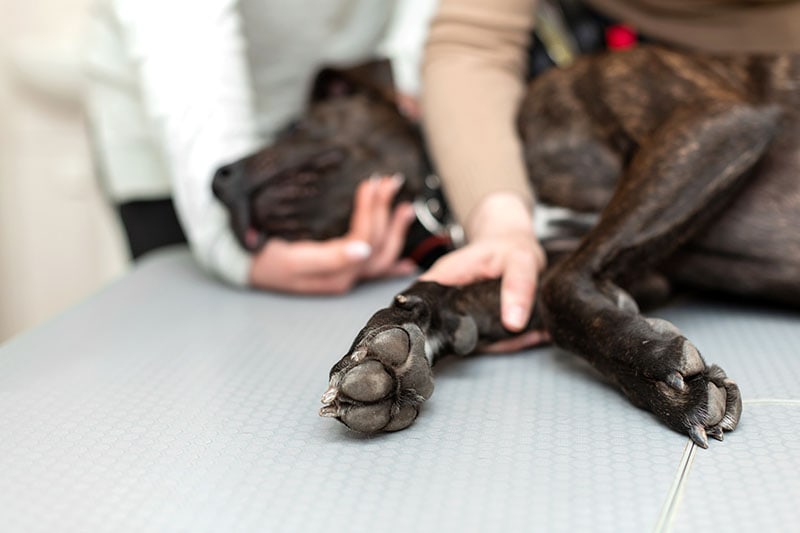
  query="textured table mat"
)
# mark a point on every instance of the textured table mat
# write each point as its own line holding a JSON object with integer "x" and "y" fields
{"x": 169, "y": 402}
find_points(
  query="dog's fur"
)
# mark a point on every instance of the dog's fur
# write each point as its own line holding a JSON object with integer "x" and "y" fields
{"x": 692, "y": 162}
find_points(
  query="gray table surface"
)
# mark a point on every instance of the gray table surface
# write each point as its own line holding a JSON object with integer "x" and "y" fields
{"x": 170, "y": 402}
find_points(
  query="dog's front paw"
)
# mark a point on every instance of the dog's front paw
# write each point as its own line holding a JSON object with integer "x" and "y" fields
{"x": 381, "y": 383}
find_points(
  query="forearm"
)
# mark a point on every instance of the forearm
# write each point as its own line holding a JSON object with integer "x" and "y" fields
{"x": 197, "y": 91}
{"x": 473, "y": 81}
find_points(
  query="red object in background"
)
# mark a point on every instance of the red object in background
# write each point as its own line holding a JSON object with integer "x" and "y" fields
{"x": 620, "y": 37}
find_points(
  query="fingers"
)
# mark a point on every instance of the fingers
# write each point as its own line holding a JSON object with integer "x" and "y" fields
{"x": 319, "y": 258}
{"x": 376, "y": 222}
{"x": 520, "y": 342}
{"x": 408, "y": 106}
{"x": 388, "y": 250}
{"x": 384, "y": 193}
{"x": 516, "y": 258}
{"x": 343, "y": 281}
{"x": 372, "y": 208}
{"x": 308, "y": 267}
{"x": 361, "y": 217}
{"x": 405, "y": 267}
{"x": 517, "y": 289}
{"x": 373, "y": 243}
{"x": 370, "y": 249}
{"x": 281, "y": 274}
{"x": 518, "y": 271}
{"x": 462, "y": 266}
{"x": 324, "y": 284}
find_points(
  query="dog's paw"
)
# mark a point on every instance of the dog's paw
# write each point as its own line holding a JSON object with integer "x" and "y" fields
{"x": 381, "y": 383}
{"x": 708, "y": 405}
{"x": 677, "y": 386}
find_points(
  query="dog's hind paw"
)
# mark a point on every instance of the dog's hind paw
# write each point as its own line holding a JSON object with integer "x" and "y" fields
{"x": 381, "y": 383}
{"x": 679, "y": 388}
{"x": 712, "y": 404}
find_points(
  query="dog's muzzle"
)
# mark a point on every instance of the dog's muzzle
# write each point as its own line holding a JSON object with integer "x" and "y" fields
{"x": 230, "y": 187}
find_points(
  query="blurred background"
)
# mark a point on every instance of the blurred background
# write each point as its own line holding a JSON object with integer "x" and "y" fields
{"x": 59, "y": 239}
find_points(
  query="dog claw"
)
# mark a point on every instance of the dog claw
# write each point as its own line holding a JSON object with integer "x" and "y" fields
{"x": 330, "y": 395}
{"x": 698, "y": 436}
{"x": 663, "y": 326}
{"x": 716, "y": 433}
{"x": 329, "y": 411}
{"x": 675, "y": 380}
{"x": 358, "y": 355}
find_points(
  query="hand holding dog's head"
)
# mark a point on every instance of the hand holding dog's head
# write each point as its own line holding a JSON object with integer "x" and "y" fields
{"x": 302, "y": 186}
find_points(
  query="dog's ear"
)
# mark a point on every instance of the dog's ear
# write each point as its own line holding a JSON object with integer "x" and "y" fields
{"x": 374, "y": 77}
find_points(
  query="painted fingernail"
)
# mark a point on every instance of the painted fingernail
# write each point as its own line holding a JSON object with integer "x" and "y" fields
{"x": 357, "y": 250}
{"x": 515, "y": 316}
{"x": 406, "y": 211}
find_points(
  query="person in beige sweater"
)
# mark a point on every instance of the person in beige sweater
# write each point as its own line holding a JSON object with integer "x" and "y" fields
{"x": 474, "y": 77}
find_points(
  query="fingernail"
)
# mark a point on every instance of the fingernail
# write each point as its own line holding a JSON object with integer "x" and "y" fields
{"x": 514, "y": 316}
{"x": 357, "y": 250}
{"x": 397, "y": 181}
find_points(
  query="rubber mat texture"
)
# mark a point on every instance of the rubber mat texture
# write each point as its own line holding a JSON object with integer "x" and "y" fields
{"x": 169, "y": 402}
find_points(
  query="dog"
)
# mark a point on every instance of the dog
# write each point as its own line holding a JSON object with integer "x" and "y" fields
{"x": 689, "y": 164}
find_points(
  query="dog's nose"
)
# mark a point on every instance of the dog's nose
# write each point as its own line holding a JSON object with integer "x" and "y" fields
{"x": 226, "y": 178}
{"x": 227, "y": 171}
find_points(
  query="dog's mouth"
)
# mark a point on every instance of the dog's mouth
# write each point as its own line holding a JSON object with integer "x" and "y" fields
{"x": 281, "y": 184}
{"x": 250, "y": 237}
{"x": 253, "y": 239}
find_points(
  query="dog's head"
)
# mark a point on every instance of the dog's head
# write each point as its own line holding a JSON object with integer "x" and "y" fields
{"x": 302, "y": 186}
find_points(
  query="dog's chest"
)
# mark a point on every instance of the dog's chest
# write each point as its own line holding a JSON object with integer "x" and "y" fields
{"x": 553, "y": 222}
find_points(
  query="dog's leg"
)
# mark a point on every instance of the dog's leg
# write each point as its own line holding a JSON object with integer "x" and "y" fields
{"x": 385, "y": 376}
{"x": 689, "y": 169}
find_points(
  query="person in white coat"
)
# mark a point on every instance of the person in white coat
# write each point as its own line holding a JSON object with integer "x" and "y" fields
{"x": 178, "y": 88}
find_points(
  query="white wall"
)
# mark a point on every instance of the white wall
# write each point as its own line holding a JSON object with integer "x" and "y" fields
{"x": 59, "y": 241}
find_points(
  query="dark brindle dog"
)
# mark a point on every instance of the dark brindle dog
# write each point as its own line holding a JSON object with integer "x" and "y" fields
{"x": 692, "y": 161}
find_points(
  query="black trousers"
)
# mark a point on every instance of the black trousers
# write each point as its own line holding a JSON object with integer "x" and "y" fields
{"x": 149, "y": 225}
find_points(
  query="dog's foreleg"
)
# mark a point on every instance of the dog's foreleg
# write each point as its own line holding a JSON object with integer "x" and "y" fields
{"x": 383, "y": 379}
{"x": 680, "y": 178}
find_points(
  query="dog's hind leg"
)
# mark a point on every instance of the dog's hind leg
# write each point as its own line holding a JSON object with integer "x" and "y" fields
{"x": 687, "y": 171}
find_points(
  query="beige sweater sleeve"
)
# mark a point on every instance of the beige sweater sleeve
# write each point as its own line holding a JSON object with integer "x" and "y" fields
{"x": 473, "y": 81}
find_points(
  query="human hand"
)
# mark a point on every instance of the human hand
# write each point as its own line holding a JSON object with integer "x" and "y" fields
{"x": 502, "y": 244}
{"x": 370, "y": 249}
{"x": 408, "y": 106}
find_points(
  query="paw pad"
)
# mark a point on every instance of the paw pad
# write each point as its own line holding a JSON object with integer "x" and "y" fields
{"x": 381, "y": 383}
{"x": 367, "y": 382}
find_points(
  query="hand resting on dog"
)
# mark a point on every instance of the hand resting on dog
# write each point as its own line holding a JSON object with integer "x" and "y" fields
{"x": 502, "y": 244}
